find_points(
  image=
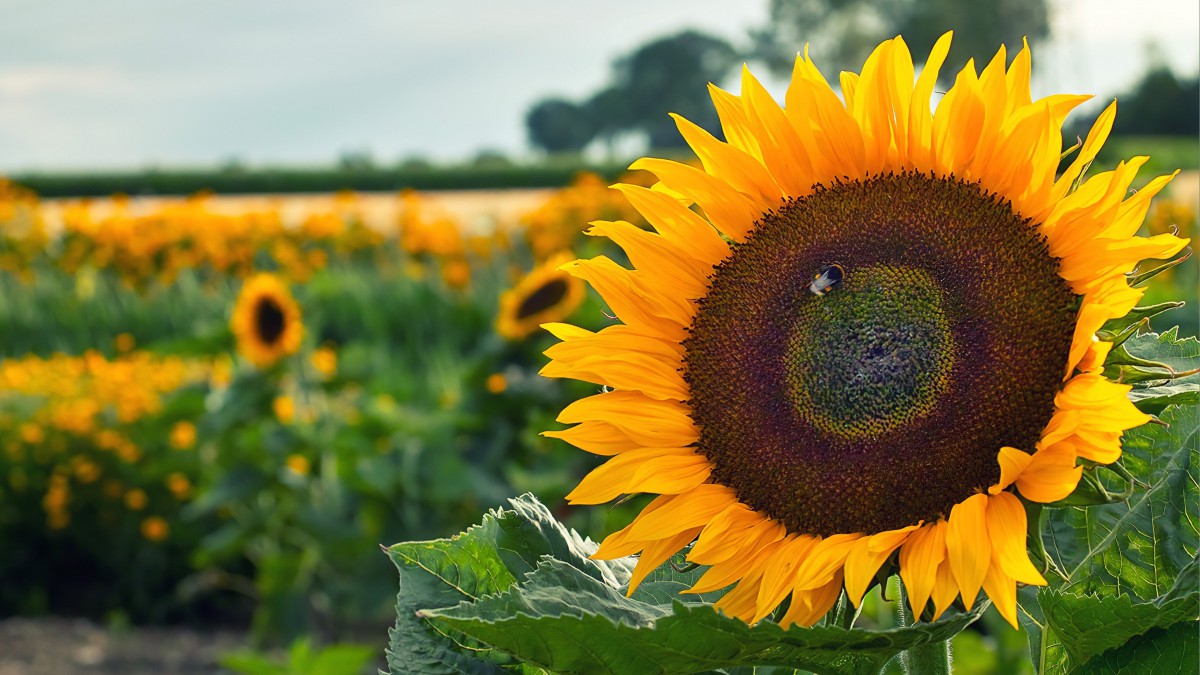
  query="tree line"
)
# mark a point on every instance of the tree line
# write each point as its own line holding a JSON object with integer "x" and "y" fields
{"x": 671, "y": 73}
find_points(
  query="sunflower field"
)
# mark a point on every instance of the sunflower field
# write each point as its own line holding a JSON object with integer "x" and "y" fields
{"x": 217, "y": 415}
{"x": 212, "y": 414}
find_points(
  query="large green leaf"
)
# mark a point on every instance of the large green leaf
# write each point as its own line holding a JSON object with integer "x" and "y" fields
{"x": 1172, "y": 650}
{"x": 461, "y": 609}
{"x": 568, "y": 622}
{"x": 1137, "y": 546}
{"x": 1089, "y": 625}
{"x": 1131, "y": 567}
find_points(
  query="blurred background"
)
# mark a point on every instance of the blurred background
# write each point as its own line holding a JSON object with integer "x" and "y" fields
{"x": 184, "y": 493}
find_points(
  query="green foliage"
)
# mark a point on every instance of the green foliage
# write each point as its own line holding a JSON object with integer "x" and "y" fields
{"x": 520, "y": 585}
{"x": 270, "y": 180}
{"x": 302, "y": 659}
{"x": 666, "y": 75}
{"x": 842, "y": 33}
{"x": 1131, "y": 592}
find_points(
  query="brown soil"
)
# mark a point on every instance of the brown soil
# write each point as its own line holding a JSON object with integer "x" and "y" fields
{"x": 56, "y": 646}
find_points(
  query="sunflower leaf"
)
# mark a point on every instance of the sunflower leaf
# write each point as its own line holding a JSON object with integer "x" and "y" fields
{"x": 1131, "y": 565}
{"x": 1117, "y": 329}
{"x": 1170, "y": 650}
{"x": 561, "y": 619}
{"x": 518, "y": 591}
{"x": 1140, "y": 545}
{"x": 1089, "y": 625}
{"x": 1166, "y": 351}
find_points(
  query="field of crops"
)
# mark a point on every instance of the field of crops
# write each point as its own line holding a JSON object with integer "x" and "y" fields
{"x": 216, "y": 410}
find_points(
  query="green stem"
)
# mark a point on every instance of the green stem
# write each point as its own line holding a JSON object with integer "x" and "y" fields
{"x": 931, "y": 658}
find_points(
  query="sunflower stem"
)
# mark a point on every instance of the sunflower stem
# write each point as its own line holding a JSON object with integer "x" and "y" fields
{"x": 931, "y": 658}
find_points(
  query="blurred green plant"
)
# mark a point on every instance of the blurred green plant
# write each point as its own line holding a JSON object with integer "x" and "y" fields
{"x": 302, "y": 659}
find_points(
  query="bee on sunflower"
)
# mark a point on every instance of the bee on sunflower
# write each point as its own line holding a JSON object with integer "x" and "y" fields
{"x": 804, "y": 443}
{"x": 546, "y": 294}
{"x": 266, "y": 321}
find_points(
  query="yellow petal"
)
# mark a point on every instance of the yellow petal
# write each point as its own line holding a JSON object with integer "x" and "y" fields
{"x": 825, "y": 559}
{"x": 809, "y": 605}
{"x": 1006, "y": 528}
{"x": 657, "y": 553}
{"x": 677, "y": 223}
{"x": 1002, "y": 590}
{"x": 595, "y": 436}
{"x": 779, "y": 572}
{"x": 920, "y": 557}
{"x": 967, "y": 546}
{"x": 1012, "y": 463}
{"x": 867, "y": 555}
{"x": 650, "y": 470}
{"x": 945, "y": 589}
{"x": 682, "y": 512}
{"x": 648, "y": 422}
{"x": 1051, "y": 474}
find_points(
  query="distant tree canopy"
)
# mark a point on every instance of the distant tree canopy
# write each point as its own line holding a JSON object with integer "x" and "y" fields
{"x": 1160, "y": 105}
{"x": 667, "y": 75}
{"x": 842, "y": 33}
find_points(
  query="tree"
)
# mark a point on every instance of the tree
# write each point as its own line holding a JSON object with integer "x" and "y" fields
{"x": 558, "y": 125}
{"x": 842, "y": 33}
{"x": 1160, "y": 105}
{"x": 670, "y": 74}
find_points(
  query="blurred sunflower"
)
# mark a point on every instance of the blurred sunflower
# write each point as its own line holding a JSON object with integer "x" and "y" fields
{"x": 545, "y": 294}
{"x": 872, "y": 343}
{"x": 266, "y": 321}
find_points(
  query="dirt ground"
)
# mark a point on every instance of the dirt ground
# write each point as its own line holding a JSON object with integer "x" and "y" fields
{"x": 59, "y": 646}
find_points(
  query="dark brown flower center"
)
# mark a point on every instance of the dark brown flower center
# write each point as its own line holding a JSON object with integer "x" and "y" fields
{"x": 268, "y": 320}
{"x": 543, "y": 298}
{"x": 881, "y": 399}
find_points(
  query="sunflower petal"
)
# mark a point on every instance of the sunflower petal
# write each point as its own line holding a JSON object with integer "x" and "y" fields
{"x": 967, "y": 546}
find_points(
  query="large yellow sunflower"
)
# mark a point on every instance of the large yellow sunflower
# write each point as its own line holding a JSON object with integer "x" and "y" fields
{"x": 863, "y": 334}
{"x": 545, "y": 294}
{"x": 266, "y": 321}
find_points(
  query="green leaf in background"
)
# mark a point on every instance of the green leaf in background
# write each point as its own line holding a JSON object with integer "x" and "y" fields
{"x": 521, "y": 585}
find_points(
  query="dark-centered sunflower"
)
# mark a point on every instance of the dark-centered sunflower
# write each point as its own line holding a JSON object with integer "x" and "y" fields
{"x": 546, "y": 294}
{"x": 862, "y": 335}
{"x": 266, "y": 321}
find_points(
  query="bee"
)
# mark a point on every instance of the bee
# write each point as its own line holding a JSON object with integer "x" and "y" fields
{"x": 827, "y": 278}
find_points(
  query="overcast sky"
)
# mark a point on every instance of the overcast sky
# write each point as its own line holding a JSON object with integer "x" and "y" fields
{"x": 126, "y": 83}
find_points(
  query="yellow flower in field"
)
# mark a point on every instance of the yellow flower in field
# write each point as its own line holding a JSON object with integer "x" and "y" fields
{"x": 456, "y": 272}
{"x": 124, "y": 343}
{"x": 179, "y": 485}
{"x": 155, "y": 528}
{"x": 32, "y": 433}
{"x": 135, "y": 499}
{"x": 544, "y": 295}
{"x": 285, "y": 408}
{"x": 871, "y": 343}
{"x": 266, "y": 321}
{"x": 86, "y": 471}
{"x": 183, "y": 435}
{"x": 497, "y": 383}
{"x": 324, "y": 360}
{"x": 298, "y": 464}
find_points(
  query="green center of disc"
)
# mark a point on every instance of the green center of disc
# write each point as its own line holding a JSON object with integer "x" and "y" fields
{"x": 871, "y": 355}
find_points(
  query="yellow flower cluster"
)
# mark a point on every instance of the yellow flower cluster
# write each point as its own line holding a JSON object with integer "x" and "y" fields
{"x": 555, "y": 225}
{"x": 22, "y": 229}
{"x": 76, "y": 390}
{"x": 192, "y": 234}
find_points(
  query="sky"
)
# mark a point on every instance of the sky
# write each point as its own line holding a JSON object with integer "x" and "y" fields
{"x": 130, "y": 83}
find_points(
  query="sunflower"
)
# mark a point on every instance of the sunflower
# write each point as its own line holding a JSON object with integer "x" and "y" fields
{"x": 862, "y": 338}
{"x": 545, "y": 294}
{"x": 266, "y": 321}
